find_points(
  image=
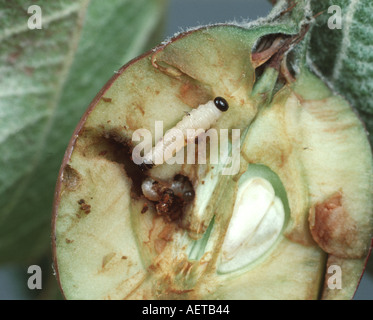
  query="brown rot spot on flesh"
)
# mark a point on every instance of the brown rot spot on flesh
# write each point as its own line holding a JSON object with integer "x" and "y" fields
{"x": 107, "y": 99}
{"x": 334, "y": 229}
{"x": 70, "y": 178}
{"x": 86, "y": 208}
{"x": 194, "y": 94}
{"x": 68, "y": 241}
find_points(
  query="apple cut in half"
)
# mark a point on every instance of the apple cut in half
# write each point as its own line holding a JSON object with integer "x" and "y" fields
{"x": 288, "y": 200}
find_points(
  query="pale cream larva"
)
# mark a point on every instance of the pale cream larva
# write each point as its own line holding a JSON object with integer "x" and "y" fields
{"x": 180, "y": 186}
{"x": 202, "y": 117}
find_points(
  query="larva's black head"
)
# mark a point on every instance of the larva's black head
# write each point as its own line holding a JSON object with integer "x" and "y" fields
{"x": 221, "y": 104}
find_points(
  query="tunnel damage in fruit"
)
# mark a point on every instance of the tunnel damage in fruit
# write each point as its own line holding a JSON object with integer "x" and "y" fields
{"x": 169, "y": 198}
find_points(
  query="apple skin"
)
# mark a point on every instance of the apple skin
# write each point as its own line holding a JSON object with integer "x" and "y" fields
{"x": 77, "y": 131}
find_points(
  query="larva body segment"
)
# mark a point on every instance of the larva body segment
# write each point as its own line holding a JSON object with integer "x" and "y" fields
{"x": 149, "y": 191}
{"x": 185, "y": 131}
{"x": 201, "y": 118}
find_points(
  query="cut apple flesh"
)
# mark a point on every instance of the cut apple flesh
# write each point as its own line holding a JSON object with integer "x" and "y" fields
{"x": 263, "y": 233}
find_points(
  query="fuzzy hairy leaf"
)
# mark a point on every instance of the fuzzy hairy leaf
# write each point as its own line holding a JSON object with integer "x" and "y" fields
{"x": 47, "y": 79}
{"x": 345, "y": 56}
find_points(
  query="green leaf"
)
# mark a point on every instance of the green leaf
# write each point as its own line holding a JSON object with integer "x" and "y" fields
{"x": 47, "y": 79}
{"x": 345, "y": 56}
